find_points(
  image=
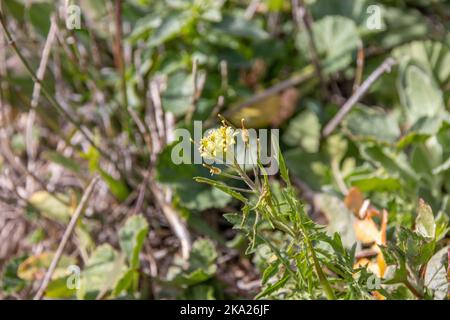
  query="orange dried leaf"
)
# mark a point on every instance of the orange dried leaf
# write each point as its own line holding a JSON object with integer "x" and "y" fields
{"x": 366, "y": 231}
{"x": 354, "y": 200}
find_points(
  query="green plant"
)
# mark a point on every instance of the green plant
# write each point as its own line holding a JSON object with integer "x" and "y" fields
{"x": 303, "y": 261}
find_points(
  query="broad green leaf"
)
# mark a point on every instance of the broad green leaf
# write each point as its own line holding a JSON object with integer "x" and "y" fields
{"x": 201, "y": 264}
{"x": 170, "y": 27}
{"x": 352, "y": 9}
{"x": 375, "y": 182}
{"x": 103, "y": 270}
{"x": 58, "y": 289}
{"x": 336, "y": 39}
{"x": 421, "y": 96}
{"x": 434, "y": 56}
{"x": 131, "y": 238}
{"x": 203, "y": 253}
{"x": 395, "y": 164}
{"x": 401, "y": 25}
{"x": 436, "y": 275}
{"x": 178, "y": 95}
{"x": 304, "y": 131}
{"x": 368, "y": 123}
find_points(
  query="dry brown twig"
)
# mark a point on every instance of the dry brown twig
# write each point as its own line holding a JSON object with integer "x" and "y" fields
{"x": 30, "y": 146}
{"x": 159, "y": 126}
{"x": 67, "y": 233}
{"x": 386, "y": 66}
{"x": 303, "y": 18}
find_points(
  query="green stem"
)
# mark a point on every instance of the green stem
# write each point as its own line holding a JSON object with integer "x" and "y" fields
{"x": 413, "y": 289}
{"x": 244, "y": 176}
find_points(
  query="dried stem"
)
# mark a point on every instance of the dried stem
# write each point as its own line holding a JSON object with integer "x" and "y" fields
{"x": 70, "y": 227}
{"x": 302, "y": 17}
{"x": 386, "y": 66}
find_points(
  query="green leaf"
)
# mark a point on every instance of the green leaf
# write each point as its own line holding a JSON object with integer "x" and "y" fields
{"x": 422, "y": 129}
{"x": 178, "y": 95}
{"x": 203, "y": 253}
{"x": 15, "y": 8}
{"x": 433, "y": 56}
{"x": 10, "y": 281}
{"x": 436, "y": 275}
{"x": 221, "y": 186}
{"x": 304, "y": 131}
{"x": 40, "y": 14}
{"x": 239, "y": 26}
{"x": 442, "y": 168}
{"x": 58, "y": 289}
{"x": 117, "y": 187}
{"x": 201, "y": 264}
{"x": 170, "y": 27}
{"x": 425, "y": 224}
{"x": 270, "y": 271}
{"x": 421, "y": 96}
{"x": 372, "y": 124}
{"x": 103, "y": 270}
{"x": 125, "y": 282}
{"x": 401, "y": 25}
{"x": 353, "y": 9}
{"x": 336, "y": 39}
{"x": 394, "y": 164}
{"x": 375, "y": 182}
{"x": 273, "y": 287}
{"x": 131, "y": 238}
{"x": 240, "y": 221}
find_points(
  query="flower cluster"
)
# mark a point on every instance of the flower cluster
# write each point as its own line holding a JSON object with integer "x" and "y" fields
{"x": 217, "y": 143}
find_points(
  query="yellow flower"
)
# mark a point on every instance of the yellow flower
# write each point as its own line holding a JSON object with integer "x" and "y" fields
{"x": 217, "y": 143}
